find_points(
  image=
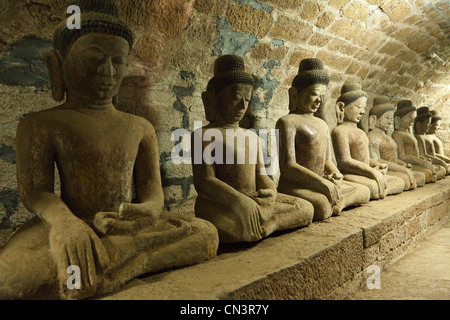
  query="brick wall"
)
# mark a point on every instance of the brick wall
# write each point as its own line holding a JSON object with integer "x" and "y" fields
{"x": 386, "y": 45}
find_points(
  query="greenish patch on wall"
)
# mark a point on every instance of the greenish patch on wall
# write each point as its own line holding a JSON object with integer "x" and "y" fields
{"x": 8, "y": 154}
{"x": 23, "y": 64}
{"x": 181, "y": 92}
{"x": 186, "y": 75}
{"x": 256, "y": 5}
{"x": 278, "y": 42}
{"x": 268, "y": 83}
{"x": 184, "y": 182}
{"x": 9, "y": 198}
{"x": 232, "y": 42}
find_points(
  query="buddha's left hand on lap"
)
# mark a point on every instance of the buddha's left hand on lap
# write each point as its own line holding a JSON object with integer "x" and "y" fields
{"x": 130, "y": 218}
{"x": 265, "y": 196}
{"x": 382, "y": 167}
{"x": 335, "y": 177}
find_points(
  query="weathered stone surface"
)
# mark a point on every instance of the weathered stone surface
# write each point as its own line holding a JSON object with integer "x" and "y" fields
{"x": 299, "y": 55}
{"x": 338, "y": 4}
{"x": 265, "y": 51}
{"x": 290, "y": 30}
{"x": 333, "y": 60}
{"x": 319, "y": 40}
{"x": 327, "y": 260}
{"x": 248, "y": 20}
{"x": 325, "y": 19}
{"x": 342, "y": 27}
{"x": 287, "y": 4}
{"x": 397, "y": 10}
{"x": 174, "y": 36}
{"x": 310, "y": 11}
{"x": 345, "y": 47}
{"x": 356, "y": 11}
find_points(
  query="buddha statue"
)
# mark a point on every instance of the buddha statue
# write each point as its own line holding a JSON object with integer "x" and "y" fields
{"x": 407, "y": 146}
{"x": 351, "y": 146}
{"x": 425, "y": 143}
{"x": 234, "y": 191}
{"x": 384, "y": 149}
{"x": 307, "y": 169}
{"x": 437, "y": 147}
{"x": 95, "y": 226}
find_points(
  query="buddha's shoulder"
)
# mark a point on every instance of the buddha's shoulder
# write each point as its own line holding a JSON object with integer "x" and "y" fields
{"x": 43, "y": 116}
{"x": 297, "y": 120}
{"x": 348, "y": 130}
{"x": 134, "y": 119}
{"x": 372, "y": 134}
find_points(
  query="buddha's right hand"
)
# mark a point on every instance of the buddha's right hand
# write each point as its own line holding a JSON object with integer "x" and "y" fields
{"x": 330, "y": 190}
{"x": 250, "y": 216}
{"x": 74, "y": 243}
{"x": 381, "y": 182}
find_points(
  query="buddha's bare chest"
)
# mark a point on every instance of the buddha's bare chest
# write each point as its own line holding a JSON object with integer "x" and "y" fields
{"x": 94, "y": 142}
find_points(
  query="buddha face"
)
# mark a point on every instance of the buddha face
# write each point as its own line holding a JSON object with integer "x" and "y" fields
{"x": 405, "y": 121}
{"x": 232, "y": 102}
{"x": 421, "y": 127}
{"x": 309, "y": 99}
{"x": 384, "y": 122}
{"x": 354, "y": 111}
{"x": 434, "y": 127}
{"x": 95, "y": 66}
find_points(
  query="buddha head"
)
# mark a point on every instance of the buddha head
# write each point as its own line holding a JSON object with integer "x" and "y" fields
{"x": 228, "y": 93}
{"x": 351, "y": 105}
{"x": 422, "y": 120}
{"x": 381, "y": 115}
{"x": 89, "y": 63}
{"x": 405, "y": 114}
{"x": 309, "y": 86}
{"x": 435, "y": 122}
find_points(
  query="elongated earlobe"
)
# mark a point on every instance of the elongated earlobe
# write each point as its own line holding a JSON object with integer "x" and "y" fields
{"x": 396, "y": 122}
{"x": 54, "y": 66}
{"x": 340, "y": 112}
{"x": 372, "y": 122}
{"x": 293, "y": 93}
{"x": 208, "y": 104}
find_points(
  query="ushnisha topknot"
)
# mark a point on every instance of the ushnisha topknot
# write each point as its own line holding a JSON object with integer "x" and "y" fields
{"x": 99, "y": 16}
{"x": 381, "y": 105}
{"x": 351, "y": 92}
{"x": 423, "y": 113}
{"x": 228, "y": 69}
{"x": 403, "y": 108}
{"x": 435, "y": 116}
{"x": 310, "y": 72}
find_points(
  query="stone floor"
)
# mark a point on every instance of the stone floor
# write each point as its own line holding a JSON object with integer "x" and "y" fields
{"x": 422, "y": 274}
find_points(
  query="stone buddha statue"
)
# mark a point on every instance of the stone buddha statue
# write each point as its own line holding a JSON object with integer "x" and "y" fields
{"x": 407, "y": 146}
{"x": 351, "y": 146}
{"x": 425, "y": 143}
{"x": 384, "y": 149}
{"x": 437, "y": 147}
{"x": 307, "y": 170}
{"x": 95, "y": 226}
{"x": 234, "y": 191}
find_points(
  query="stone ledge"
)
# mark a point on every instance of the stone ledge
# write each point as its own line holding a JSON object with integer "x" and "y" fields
{"x": 326, "y": 260}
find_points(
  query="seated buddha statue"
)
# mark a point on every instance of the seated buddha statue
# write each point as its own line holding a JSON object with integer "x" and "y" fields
{"x": 307, "y": 169}
{"x": 351, "y": 146}
{"x": 384, "y": 149}
{"x": 407, "y": 145}
{"x": 425, "y": 143}
{"x": 234, "y": 191}
{"x": 96, "y": 228}
{"x": 438, "y": 147}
